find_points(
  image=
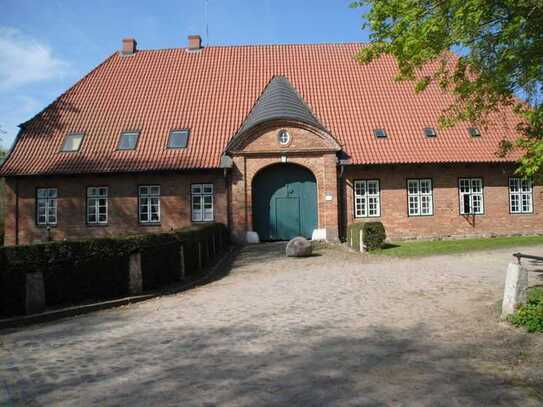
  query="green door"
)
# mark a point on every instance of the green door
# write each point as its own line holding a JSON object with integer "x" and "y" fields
{"x": 284, "y": 202}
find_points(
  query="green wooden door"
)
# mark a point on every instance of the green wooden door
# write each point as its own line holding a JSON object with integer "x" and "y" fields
{"x": 284, "y": 202}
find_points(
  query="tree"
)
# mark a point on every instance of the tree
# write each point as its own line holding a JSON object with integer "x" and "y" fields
{"x": 499, "y": 47}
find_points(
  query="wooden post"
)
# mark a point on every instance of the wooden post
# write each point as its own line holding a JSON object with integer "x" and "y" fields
{"x": 181, "y": 275}
{"x": 200, "y": 256}
{"x": 34, "y": 293}
{"x": 135, "y": 280}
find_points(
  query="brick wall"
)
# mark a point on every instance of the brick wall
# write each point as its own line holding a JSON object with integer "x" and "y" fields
{"x": 309, "y": 148}
{"x": 446, "y": 220}
{"x": 123, "y": 204}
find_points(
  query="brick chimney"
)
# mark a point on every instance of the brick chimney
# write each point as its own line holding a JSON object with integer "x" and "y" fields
{"x": 195, "y": 42}
{"x": 129, "y": 46}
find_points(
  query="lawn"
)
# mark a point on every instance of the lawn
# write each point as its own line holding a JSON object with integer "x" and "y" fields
{"x": 427, "y": 248}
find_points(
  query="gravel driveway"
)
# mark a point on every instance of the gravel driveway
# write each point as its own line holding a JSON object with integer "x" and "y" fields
{"x": 334, "y": 329}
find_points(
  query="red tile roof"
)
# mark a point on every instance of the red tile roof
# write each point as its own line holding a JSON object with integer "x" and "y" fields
{"x": 212, "y": 91}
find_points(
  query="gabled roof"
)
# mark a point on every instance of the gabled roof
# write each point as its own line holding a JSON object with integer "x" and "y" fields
{"x": 278, "y": 101}
{"x": 212, "y": 92}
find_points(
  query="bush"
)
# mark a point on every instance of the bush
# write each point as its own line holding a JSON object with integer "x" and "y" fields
{"x": 530, "y": 315}
{"x": 373, "y": 235}
{"x": 76, "y": 271}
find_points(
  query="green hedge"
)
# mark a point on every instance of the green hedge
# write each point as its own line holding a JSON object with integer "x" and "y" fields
{"x": 373, "y": 234}
{"x": 76, "y": 271}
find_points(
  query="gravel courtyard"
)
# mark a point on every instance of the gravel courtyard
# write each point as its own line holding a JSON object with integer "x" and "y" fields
{"x": 333, "y": 329}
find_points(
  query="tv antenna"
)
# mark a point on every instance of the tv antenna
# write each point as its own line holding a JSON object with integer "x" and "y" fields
{"x": 206, "y": 21}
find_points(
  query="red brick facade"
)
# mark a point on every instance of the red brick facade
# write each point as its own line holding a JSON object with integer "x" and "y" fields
{"x": 446, "y": 219}
{"x": 308, "y": 147}
{"x": 21, "y": 227}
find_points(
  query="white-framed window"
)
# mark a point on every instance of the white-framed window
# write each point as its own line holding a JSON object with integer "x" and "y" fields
{"x": 420, "y": 197}
{"x": 202, "y": 202}
{"x": 471, "y": 196}
{"x": 46, "y": 206}
{"x": 97, "y": 202}
{"x": 520, "y": 195}
{"x": 149, "y": 204}
{"x": 367, "y": 199}
{"x": 283, "y": 137}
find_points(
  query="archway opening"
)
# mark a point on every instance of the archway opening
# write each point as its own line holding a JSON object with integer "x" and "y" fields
{"x": 284, "y": 202}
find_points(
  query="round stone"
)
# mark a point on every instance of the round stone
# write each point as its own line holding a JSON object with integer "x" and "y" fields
{"x": 299, "y": 247}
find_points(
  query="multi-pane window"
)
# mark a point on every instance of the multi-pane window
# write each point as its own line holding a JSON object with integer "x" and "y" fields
{"x": 419, "y": 196}
{"x": 149, "y": 204}
{"x": 46, "y": 206}
{"x": 520, "y": 195}
{"x": 202, "y": 202}
{"x": 366, "y": 199}
{"x": 97, "y": 205}
{"x": 471, "y": 196}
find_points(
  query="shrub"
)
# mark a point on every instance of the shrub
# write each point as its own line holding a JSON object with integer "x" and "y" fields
{"x": 530, "y": 315}
{"x": 373, "y": 235}
{"x": 75, "y": 271}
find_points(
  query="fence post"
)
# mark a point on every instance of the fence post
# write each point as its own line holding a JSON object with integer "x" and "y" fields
{"x": 200, "y": 254}
{"x": 361, "y": 237}
{"x": 135, "y": 280}
{"x": 34, "y": 292}
{"x": 516, "y": 289}
{"x": 181, "y": 275}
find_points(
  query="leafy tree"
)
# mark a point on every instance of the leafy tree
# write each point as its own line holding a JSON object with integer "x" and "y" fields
{"x": 500, "y": 56}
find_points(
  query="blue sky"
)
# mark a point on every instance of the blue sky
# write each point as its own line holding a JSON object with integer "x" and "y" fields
{"x": 46, "y": 46}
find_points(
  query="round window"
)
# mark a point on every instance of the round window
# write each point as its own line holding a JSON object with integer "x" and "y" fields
{"x": 284, "y": 137}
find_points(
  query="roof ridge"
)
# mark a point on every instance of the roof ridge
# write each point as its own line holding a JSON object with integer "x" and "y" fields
{"x": 314, "y": 44}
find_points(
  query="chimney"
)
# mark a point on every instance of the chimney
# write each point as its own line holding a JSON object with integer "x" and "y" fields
{"x": 129, "y": 46}
{"x": 195, "y": 42}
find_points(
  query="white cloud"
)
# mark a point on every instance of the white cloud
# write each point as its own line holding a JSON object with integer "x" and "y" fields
{"x": 24, "y": 60}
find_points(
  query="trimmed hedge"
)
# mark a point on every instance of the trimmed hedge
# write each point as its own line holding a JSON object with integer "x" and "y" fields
{"x": 373, "y": 234}
{"x": 76, "y": 271}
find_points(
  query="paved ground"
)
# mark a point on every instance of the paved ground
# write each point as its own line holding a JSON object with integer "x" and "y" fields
{"x": 334, "y": 329}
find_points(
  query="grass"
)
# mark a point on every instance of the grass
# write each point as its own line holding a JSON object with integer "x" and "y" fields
{"x": 427, "y": 248}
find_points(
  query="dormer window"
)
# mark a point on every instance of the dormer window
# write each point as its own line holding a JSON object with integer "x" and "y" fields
{"x": 380, "y": 133}
{"x": 474, "y": 132}
{"x": 72, "y": 142}
{"x": 430, "y": 132}
{"x": 128, "y": 140}
{"x": 178, "y": 138}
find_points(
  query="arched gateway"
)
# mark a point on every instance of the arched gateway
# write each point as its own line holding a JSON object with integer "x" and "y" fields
{"x": 284, "y": 202}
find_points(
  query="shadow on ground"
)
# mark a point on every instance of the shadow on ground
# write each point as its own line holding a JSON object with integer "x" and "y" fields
{"x": 243, "y": 366}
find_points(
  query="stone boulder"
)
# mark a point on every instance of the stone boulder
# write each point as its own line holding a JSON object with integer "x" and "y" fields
{"x": 299, "y": 247}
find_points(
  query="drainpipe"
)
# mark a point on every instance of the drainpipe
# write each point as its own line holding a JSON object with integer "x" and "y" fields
{"x": 341, "y": 199}
{"x": 16, "y": 212}
{"x": 226, "y": 164}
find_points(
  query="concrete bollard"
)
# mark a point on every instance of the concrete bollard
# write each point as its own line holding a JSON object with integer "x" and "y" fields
{"x": 181, "y": 275}
{"x": 363, "y": 248}
{"x": 516, "y": 289}
{"x": 135, "y": 279}
{"x": 34, "y": 293}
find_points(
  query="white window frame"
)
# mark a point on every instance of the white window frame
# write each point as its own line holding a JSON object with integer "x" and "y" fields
{"x": 417, "y": 195}
{"x": 46, "y": 206}
{"x": 367, "y": 204}
{"x": 521, "y": 191}
{"x": 467, "y": 190}
{"x": 149, "y": 204}
{"x": 97, "y": 199}
{"x": 202, "y": 202}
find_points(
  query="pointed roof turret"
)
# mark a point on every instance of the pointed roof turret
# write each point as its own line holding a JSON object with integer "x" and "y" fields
{"x": 279, "y": 100}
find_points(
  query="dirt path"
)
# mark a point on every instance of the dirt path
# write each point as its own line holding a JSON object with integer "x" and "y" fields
{"x": 334, "y": 329}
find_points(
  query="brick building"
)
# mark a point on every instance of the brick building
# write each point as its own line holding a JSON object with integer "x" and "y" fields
{"x": 276, "y": 140}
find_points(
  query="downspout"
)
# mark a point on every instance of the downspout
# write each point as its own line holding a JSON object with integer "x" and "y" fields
{"x": 16, "y": 212}
{"x": 226, "y": 164}
{"x": 341, "y": 200}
